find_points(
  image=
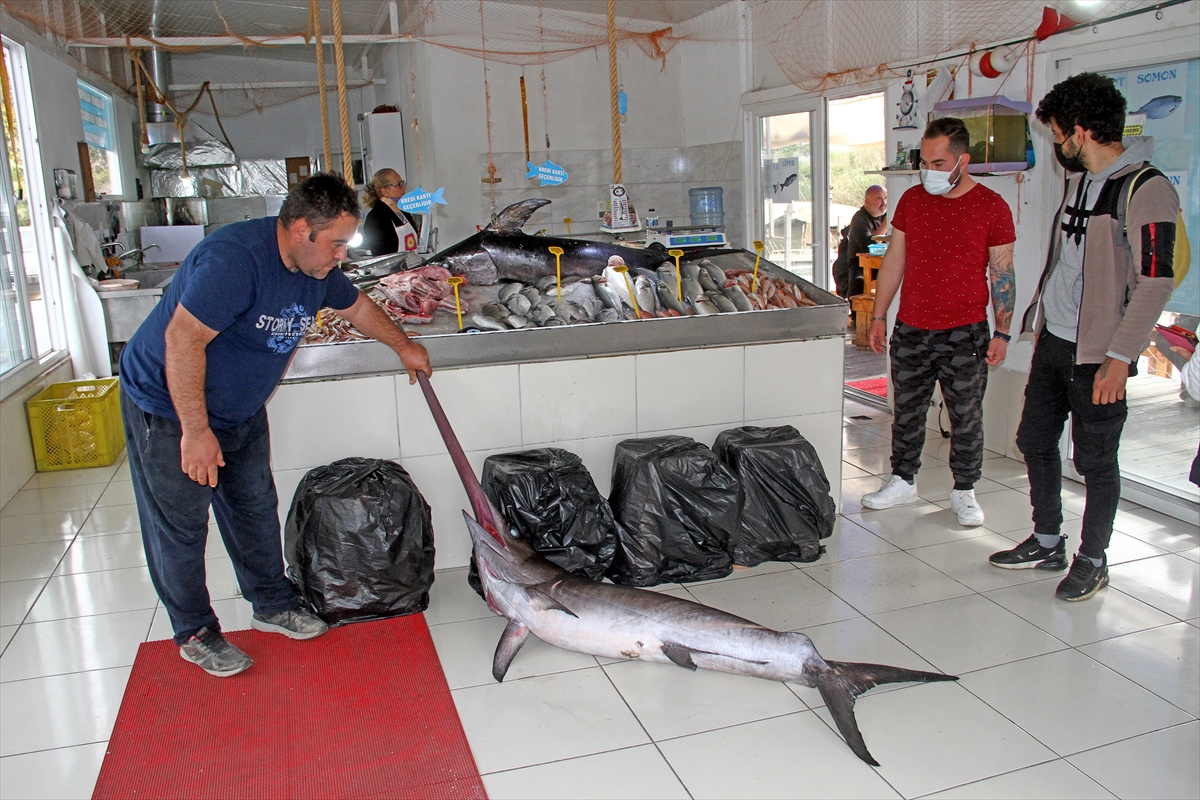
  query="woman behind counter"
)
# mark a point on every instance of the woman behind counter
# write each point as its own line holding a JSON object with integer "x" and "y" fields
{"x": 386, "y": 228}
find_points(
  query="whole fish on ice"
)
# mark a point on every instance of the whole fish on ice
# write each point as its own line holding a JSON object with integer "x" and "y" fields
{"x": 602, "y": 619}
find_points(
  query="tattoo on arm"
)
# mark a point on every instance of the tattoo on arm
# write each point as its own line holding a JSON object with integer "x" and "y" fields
{"x": 1004, "y": 285}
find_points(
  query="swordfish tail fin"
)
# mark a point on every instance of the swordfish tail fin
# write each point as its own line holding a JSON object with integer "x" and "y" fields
{"x": 479, "y": 501}
{"x": 846, "y": 680}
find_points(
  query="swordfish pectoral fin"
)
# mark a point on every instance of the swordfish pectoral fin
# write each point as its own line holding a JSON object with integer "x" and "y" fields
{"x": 506, "y": 649}
{"x": 845, "y": 680}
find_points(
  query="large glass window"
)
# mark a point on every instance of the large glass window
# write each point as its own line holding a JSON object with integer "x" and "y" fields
{"x": 16, "y": 340}
{"x": 99, "y": 129}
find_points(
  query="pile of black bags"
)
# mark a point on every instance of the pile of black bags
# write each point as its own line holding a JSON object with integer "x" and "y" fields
{"x": 679, "y": 508}
{"x": 359, "y": 541}
{"x": 787, "y": 509}
{"x": 549, "y": 498}
{"x": 677, "y": 512}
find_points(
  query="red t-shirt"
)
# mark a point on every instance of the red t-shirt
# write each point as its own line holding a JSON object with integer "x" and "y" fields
{"x": 946, "y": 243}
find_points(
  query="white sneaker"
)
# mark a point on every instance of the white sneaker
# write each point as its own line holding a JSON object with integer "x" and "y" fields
{"x": 962, "y": 501}
{"x": 895, "y": 492}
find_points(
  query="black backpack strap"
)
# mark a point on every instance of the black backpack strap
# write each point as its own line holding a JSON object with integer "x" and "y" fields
{"x": 1126, "y": 192}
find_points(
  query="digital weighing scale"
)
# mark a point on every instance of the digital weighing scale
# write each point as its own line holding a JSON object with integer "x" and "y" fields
{"x": 698, "y": 236}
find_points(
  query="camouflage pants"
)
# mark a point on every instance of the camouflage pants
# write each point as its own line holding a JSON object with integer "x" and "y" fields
{"x": 955, "y": 359}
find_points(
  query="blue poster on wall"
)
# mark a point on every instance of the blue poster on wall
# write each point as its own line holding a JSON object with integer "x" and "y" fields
{"x": 420, "y": 201}
{"x": 96, "y": 110}
{"x": 1167, "y": 96}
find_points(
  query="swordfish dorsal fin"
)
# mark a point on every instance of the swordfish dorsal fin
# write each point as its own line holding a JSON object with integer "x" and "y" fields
{"x": 681, "y": 655}
{"x": 544, "y": 601}
{"x": 513, "y": 218}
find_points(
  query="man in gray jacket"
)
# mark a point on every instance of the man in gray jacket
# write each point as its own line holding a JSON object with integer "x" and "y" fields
{"x": 1103, "y": 288}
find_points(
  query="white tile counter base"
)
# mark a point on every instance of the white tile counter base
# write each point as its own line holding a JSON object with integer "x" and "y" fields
{"x": 585, "y": 406}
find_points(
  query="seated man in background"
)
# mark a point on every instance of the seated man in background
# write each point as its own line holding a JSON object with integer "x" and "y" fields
{"x": 868, "y": 221}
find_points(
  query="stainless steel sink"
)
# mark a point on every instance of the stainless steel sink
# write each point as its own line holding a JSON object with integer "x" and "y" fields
{"x": 126, "y": 309}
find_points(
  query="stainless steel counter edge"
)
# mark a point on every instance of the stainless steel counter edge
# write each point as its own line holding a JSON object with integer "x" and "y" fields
{"x": 358, "y": 359}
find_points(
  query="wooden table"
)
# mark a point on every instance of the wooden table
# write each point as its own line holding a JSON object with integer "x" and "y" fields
{"x": 863, "y": 305}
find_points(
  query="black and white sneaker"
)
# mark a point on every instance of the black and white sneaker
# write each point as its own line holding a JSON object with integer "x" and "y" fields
{"x": 1084, "y": 579}
{"x": 1031, "y": 555}
{"x": 211, "y": 652}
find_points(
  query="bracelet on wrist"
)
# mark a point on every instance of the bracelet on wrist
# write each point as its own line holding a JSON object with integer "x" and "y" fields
{"x": 878, "y": 319}
{"x": 1004, "y": 337}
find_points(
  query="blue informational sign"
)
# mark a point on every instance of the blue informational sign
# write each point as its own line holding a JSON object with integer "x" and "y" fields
{"x": 550, "y": 174}
{"x": 96, "y": 109}
{"x": 421, "y": 201}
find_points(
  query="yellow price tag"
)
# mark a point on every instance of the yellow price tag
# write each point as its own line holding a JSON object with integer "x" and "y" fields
{"x": 567, "y": 220}
{"x": 456, "y": 281}
{"x": 624, "y": 270}
{"x": 558, "y": 253}
{"x": 758, "y": 245}
{"x": 678, "y": 275}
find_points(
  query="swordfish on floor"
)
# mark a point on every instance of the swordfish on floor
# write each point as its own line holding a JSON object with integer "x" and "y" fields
{"x": 602, "y": 619}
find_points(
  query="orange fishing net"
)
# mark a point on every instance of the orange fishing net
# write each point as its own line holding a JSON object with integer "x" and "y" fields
{"x": 814, "y": 42}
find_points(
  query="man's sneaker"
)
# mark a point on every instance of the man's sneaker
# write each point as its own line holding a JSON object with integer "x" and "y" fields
{"x": 297, "y": 623}
{"x": 895, "y": 492}
{"x": 1084, "y": 579}
{"x": 970, "y": 515}
{"x": 210, "y": 651}
{"x": 1031, "y": 555}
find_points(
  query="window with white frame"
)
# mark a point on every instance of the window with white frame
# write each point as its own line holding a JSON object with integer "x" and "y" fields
{"x": 99, "y": 131}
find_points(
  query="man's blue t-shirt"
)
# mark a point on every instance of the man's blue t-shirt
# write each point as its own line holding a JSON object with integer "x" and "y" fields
{"x": 234, "y": 282}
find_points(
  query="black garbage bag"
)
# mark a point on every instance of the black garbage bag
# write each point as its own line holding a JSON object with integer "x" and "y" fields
{"x": 677, "y": 507}
{"x": 359, "y": 541}
{"x": 787, "y": 509}
{"x": 550, "y": 499}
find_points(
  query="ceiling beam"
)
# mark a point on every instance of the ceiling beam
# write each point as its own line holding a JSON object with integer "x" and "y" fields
{"x": 224, "y": 41}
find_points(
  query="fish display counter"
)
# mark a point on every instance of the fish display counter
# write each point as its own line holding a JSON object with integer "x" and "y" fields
{"x": 450, "y": 347}
{"x": 574, "y": 384}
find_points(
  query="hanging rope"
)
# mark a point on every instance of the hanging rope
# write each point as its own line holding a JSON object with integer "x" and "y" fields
{"x": 314, "y": 21}
{"x": 135, "y": 56}
{"x": 343, "y": 112}
{"x": 612, "y": 86}
{"x": 525, "y": 113}
{"x": 545, "y": 98}
{"x": 491, "y": 179}
{"x": 412, "y": 77}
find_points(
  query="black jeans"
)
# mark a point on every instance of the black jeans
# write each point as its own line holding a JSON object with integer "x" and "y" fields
{"x": 1058, "y": 386}
{"x": 173, "y": 510}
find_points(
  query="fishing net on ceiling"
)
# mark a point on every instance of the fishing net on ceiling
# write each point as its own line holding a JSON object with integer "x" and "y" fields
{"x": 815, "y": 43}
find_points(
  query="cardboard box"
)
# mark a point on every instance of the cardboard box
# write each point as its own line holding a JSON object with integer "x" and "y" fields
{"x": 297, "y": 170}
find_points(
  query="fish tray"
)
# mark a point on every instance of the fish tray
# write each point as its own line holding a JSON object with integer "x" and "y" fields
{"x": 449, "y": 348}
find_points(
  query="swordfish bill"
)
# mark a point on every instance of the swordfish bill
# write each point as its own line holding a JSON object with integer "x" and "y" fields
{"x": 623, "y": 622}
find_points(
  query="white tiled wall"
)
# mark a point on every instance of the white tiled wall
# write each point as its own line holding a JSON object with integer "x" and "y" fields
{"x": 585, "y": 406}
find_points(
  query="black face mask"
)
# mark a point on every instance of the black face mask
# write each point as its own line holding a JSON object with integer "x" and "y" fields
{"x": 1069, "y": 163}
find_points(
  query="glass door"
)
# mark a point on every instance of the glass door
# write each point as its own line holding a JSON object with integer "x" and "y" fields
{"x": 791, "y": 175}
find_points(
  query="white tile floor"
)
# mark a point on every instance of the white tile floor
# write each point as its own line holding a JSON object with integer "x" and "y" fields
{"x": 1096, "y": 699}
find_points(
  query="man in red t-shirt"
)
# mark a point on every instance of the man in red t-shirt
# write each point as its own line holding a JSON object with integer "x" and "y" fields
{"x": 952, "y": 238}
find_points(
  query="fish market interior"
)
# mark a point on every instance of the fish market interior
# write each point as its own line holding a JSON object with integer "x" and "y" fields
{"x": 598, "y": 347}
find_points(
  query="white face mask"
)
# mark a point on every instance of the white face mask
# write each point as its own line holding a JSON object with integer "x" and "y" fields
{"x": 939, "y": 183}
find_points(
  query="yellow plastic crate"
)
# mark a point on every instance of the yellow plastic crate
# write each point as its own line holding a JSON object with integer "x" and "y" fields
{"x": 76, "y": 424}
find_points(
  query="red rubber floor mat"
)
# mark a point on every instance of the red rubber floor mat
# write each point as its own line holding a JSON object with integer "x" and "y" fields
{"x": 363, "y": 711}
{"x": 875, "y": 386}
